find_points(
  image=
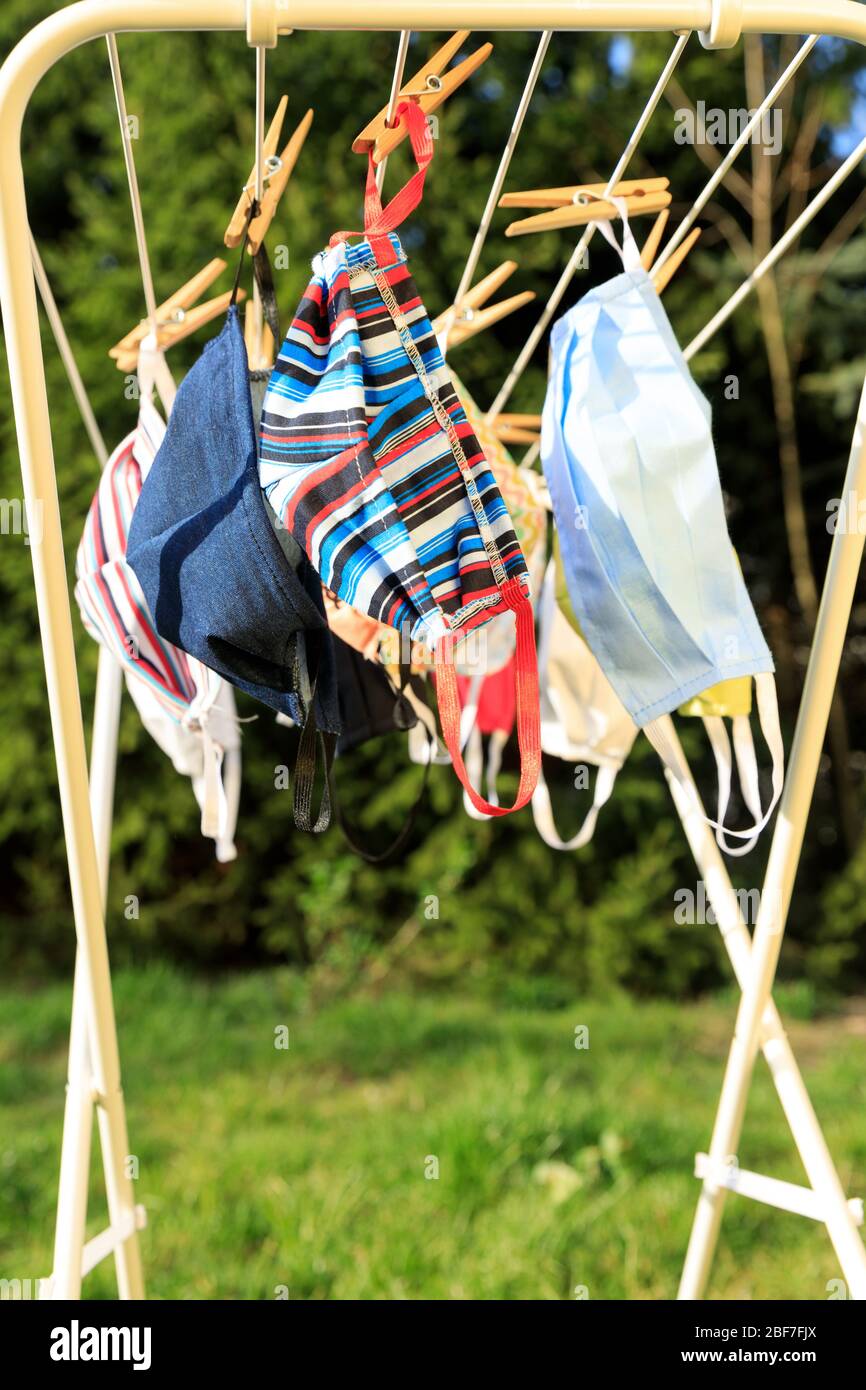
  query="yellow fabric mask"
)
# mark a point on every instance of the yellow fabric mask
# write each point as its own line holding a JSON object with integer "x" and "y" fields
{"x": 728, "y": 698}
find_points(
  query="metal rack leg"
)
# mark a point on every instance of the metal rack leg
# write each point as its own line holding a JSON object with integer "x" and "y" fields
{"x": 789, "y": 1084}
{"x": 837, "y": 598}
{"x": 80, "y": 1094}
{"x": 21, "y": 326}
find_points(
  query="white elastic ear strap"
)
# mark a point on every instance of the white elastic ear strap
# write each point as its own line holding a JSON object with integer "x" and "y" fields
{"x": 425, "y": 745}
{"x": 474, "y": 757}
{"x": 225, "y": 844}
{"x": 721, "y": 746}
{"x": 219, "y": 807}
{"x": 208, "y": 687}
{"x": 747, "y": 764}
{"x": 768, "y": 716}
{"x": 628, "y": 252}
{"x": 542, "y": 811}
{"x": 722, "y": 752}
{"x": 213, "y": 808}
{"x": 495, "y": 750}
{"x": 153, "y": 370}
{"x": 469, "y": 712}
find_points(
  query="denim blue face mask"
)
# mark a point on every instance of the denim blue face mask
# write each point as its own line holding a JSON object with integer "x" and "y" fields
{"x": 652, "y": 576}
{"x": 221, "y": 578}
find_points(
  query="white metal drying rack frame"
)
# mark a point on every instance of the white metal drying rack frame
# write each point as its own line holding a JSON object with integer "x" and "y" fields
{"x": 94, "y": 1069}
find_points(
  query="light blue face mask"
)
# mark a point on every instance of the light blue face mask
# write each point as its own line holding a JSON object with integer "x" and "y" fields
{"x": 627, "y": 450}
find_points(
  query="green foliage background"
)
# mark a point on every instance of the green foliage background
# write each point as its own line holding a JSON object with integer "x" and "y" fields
{"x": 507, "y": 905}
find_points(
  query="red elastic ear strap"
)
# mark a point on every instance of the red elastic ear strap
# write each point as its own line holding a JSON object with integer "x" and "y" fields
{"x": 379, "y": 221}
{"x": 528, "y": 719}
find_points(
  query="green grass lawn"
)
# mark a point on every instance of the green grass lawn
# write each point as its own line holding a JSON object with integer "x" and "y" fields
{"x": 311, "y": 1167}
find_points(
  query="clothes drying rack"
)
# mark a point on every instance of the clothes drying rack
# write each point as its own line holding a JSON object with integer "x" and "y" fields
{"x": 86, "y": 802}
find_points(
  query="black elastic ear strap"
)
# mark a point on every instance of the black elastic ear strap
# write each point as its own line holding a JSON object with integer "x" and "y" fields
{"x": 251, "y": 212}
{"x": 267, "y": 294}
{"x": 405, "y": 830}
{"x": 312, "y": 738}
{"x": 264, "y": 278}
{"x": 409, "y": 824}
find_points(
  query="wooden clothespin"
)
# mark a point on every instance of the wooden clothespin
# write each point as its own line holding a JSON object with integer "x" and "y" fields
{"x": 650, "y": 248}
{"x": 260, "y": 347}
{"x": 513, "y": 434}
{"x": 564, "y": 196}
{"x": 428, "y": 88}
{"x": 521, "y": 422}
{"x": 176, "y": 318}
{"x": 516, "y": 428}
{"x": 278, "y": 171}
{"x": 171, "y": 309}
{"x": 277, "y": 183}
{"x": 663, "y": 277}
{"x": 467, "y": 318}
{"x": 234, "y": 232}
{"x": 585, "y": 203}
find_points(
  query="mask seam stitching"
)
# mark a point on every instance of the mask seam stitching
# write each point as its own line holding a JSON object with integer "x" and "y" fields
{"x": 446, "y": 424}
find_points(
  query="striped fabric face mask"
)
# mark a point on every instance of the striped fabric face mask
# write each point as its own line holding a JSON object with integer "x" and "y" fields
{"x": 368, "y": 460}
{"x": 185, "y": 707}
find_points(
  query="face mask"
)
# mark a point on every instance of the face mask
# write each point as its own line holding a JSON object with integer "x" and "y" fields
{"x": 487, "y": 691}
{"x": 206, "y": 748}
{"x": 370, "y": 463}
{"x": 222, "y": 580}
{"x": 370, "y": 706}
{"x": 560, "y": 588}
{"x": 184, "y": 706}
{"x": 381, "y": 646}
{"x": 353, "y": 628}
{"x": 582, "y": 718}
{"x": 653, "y": 580}
{"x": 729, "y": 699}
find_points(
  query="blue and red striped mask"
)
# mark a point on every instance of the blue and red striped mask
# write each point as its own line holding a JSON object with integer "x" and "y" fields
{"x": 368, "y": 459}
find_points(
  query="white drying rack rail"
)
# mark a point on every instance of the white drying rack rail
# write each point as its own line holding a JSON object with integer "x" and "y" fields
{"x": 94, "y": 1067}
